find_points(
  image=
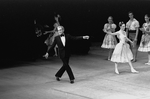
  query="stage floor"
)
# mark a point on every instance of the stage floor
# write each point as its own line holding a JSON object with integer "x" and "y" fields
{"x": 95, "y": 79}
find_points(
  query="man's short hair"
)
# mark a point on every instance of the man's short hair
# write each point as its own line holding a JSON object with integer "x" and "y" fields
{"x": 60, "y": 28}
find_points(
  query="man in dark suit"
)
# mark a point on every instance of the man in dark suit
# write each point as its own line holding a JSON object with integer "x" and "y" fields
{"x": 63, "y": 43}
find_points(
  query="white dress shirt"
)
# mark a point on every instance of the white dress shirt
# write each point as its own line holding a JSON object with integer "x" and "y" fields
{"x": 63, "y": 39}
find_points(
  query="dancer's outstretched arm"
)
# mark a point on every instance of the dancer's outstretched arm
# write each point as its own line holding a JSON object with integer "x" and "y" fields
{"x": 115, "y": 33}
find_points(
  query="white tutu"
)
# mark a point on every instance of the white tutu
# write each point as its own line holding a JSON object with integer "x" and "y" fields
{"x": 122, "y": 53}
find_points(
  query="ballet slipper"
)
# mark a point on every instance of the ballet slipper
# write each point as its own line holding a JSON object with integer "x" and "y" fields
{"x": 109, "y": 59}
{"x": 148, "y": 63}
{"x": 116, "y": 71}
{"x": 134, "y": 71}
{"x": 46, "y": 55}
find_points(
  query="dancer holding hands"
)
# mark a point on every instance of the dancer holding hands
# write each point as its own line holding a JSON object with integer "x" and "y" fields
{"x": 122, "y": 52}
{"x": 132, "y": 30}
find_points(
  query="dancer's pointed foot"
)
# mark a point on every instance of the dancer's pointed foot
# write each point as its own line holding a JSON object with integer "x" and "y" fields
{"x": 116, "y": 71}
{"x": 46, "y": 55}
{"x": 148, "y": 63}
{"x": 134, "y": 71}
{"x": 109, "y": 58}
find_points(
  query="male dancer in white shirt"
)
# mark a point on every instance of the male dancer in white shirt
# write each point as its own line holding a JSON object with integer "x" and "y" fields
{"x": 132, "y": 29}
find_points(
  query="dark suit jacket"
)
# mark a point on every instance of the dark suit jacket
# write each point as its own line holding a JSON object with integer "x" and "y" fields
{"x": 64, "y": 51}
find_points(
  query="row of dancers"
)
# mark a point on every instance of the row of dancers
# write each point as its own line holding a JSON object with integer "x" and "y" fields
{"x": 121, "y": 52}
{"x": 126, "y": 50}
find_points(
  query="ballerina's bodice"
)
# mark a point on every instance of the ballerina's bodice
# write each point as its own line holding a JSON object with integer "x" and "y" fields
{"x": 122, "y": 36}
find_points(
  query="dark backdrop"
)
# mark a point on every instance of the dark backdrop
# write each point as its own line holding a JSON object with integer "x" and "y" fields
{"x": 79, "y": 17}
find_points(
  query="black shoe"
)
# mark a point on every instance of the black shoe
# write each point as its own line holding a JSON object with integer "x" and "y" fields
{"x": 133, "y": 60}
{"x": 57, "y": 78}
{"x": 71, "y": 81}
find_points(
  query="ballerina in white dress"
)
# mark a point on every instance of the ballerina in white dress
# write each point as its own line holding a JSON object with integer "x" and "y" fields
{"x": 122, "y": 52}
{"x": 109, "y": 41}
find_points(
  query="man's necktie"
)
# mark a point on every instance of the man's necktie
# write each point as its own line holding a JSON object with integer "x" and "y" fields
{"x": 62, "y": 35}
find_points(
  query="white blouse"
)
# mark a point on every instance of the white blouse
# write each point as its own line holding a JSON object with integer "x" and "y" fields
{"x": 132, "y": 25}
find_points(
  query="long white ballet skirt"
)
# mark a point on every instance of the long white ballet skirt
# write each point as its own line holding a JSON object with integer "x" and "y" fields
{"x": 122, "y": 52}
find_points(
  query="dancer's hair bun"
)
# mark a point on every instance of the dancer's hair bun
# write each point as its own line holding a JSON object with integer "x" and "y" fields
{"x": 120, "y": 23}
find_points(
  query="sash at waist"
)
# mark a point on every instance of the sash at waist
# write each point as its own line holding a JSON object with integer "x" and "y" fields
{"x": 132, "y": 31}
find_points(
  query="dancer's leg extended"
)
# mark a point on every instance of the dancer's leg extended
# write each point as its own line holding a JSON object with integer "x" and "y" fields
{"x": 116, "y": 68}
{"x": 110, "y": 53}
{"x": 46, "y": 55}
{"x": 131, "y": 67}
